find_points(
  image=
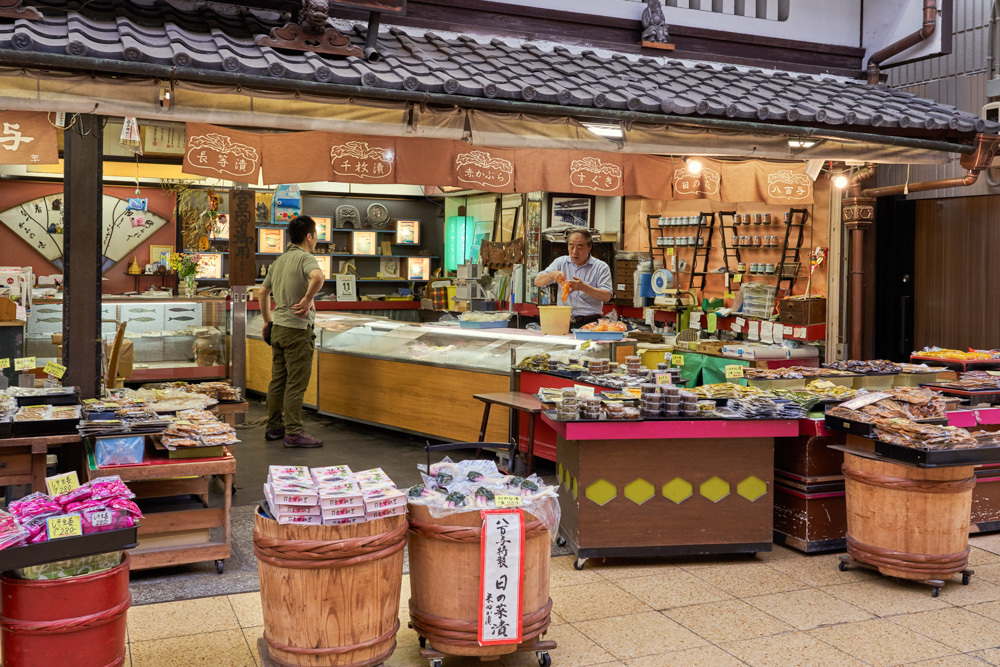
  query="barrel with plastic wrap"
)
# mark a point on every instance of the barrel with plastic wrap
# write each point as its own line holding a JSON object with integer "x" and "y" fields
{"x": 446, "y": 527}
{"x": 330, "y": 594}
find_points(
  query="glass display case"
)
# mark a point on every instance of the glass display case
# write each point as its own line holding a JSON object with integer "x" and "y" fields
{"x": 173, "y": 338}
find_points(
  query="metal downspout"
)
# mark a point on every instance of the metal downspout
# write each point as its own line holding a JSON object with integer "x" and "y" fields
{"x": 911, "y": 40}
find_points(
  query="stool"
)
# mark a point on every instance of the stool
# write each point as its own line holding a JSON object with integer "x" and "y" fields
{"x": 520, "y": 402}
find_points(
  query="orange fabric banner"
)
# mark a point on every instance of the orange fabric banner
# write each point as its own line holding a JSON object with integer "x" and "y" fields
{"x": 363, "y": 159}
{"x": 706, "y": 184}
{"x": 489, "y": 169}
{"x": 27, "y": 138}
{"x": 649, "y": 176}
{"x": 296, "y": 157}
{"x": 219, "y": 152}
{"x": 593, "y": 173}
{"x": 425, "y": 162}
{"x": 787, "y": 184}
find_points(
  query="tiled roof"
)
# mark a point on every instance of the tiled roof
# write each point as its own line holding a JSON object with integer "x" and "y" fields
{"x": 222, "y": 40}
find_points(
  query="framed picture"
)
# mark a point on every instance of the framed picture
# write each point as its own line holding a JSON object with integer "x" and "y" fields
{"x": 507, "y": 218}
{"x": 364, "y": 243}
{"x": 210, "y": 265}
{"x": 271, "y": 240}
{"x": 159, "y": 254}
{"x": 418, "y": 268}
{"x": 325, "y": 265}
{"x": 576, "y": 210}
{"x": 323, "y": 227}
{"x": 407, "y": 232}
{"x": 482, "y": 230}
{"x": 389, "y": 267}
{"x": 220, "y": 230}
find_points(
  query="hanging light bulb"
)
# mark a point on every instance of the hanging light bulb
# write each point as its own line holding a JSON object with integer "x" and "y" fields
{"x": 694, "y": 166}
{"x": 840, "y": 181}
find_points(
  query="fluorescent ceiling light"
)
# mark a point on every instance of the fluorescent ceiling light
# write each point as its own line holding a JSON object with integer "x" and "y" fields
{"x": 606, "y": 130}
{"x": 800, "y": 143}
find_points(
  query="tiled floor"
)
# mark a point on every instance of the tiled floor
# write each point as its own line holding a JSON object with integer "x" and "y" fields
{"x": 782, "y": 608}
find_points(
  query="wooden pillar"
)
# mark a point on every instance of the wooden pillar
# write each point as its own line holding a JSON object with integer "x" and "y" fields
{"x": 242, "y": 274}
{"x": 82, "y": 190}
{"x": 858, "y": 214}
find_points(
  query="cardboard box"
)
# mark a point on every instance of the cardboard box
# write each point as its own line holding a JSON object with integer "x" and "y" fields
{"x": 285, "y": 495}
{"x": 802, "y": 311}
{"x": 383, "y": 513}
{"x": 342, "y": 512}
{"x": 346, "y": 499}
{"x": 385, "y": 500}
{"x": 301, "y": 519}
{"x": 344, "y": 521}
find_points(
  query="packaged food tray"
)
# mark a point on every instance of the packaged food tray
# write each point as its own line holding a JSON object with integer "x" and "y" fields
{"x": 598, "y": 335}
{"x": 68, "y": 547}
{"x": 64, "y": 396}
{"x": 23, "y": 429}
{"x": 991, "y": 396}
{"x": 554, "y": 416}
{"x": 499, "y": 324}
{"x": 935, "y": 458}
{"x": 864, "y": 428}
{"x": 958, "y": 364}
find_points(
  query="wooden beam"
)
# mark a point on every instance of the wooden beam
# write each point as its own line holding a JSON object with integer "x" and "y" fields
{"x": 83, "y": 190}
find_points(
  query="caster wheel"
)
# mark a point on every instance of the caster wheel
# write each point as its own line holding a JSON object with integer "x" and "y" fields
{"x": 965, "y": 579}
{"x": 220, "y": 565}
{"x": 423, "y": 642}
{"x": 843, "y": 566}
{"x": 935, "y": 592}
{"x": 434, "y": 662}
{"x": 578, "y": 563}
{"x": 544, "y": 659}
{"x": 560, "y": 541}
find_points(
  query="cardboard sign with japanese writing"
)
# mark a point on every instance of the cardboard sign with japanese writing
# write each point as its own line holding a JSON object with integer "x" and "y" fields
{"x": 27, "y": 137}
{"x": 66, "y": 525}
{"x": 219, "y": 152}
{"x": 502, "y": 577}
{"x": 61, "y": 484}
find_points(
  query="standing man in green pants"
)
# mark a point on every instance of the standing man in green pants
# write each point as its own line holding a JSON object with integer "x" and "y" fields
{"x": 294, "y": 279}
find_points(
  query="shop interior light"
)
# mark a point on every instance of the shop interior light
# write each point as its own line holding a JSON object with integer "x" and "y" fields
{"x": 800, "y": 143}
{"x": 694, "y": 166}
{"x": 606, "y": 130}
{"x": 840, "y": 181}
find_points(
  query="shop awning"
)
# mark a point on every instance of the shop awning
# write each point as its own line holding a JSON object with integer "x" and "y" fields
{"x": 520, "y": 93}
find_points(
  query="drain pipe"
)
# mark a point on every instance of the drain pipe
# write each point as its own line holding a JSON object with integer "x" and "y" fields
{"x": 858, "y": 223}
{"x": 984, "y": 151}
{"x": 911, "y": 40}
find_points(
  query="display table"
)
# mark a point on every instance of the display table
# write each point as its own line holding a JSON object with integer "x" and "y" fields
{"x": 173, "y": 496}
{"x": 22, "y": 460}
{"x": 661, "y": 488}
{"x": 228, "y": 411}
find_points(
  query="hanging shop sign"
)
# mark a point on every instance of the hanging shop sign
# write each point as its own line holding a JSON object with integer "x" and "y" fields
{"x": 296, "y": 157}
{"x": 592, "y": 174}
{"x": 502, "y": 577}
{"x": 219, "y": 152}
{"x": 27, "y": 138}
{"x": 704, "y": 184}
{"x": 788, "y": 185}
{"x": 484, "y": 169}
{"x": 363, "y": 159}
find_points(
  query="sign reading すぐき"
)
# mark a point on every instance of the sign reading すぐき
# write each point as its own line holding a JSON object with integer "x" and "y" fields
{"x": 593, "y": 174}
{"x": 222, "y": 153}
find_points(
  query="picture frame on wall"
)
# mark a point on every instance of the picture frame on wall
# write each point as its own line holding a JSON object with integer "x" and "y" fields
{"x": 325, "y": 265}
{"x": 323, "y": 227}
{"x": 418, "y": 268}
{"x": 508, "y": 217}
{"x": 160, "y": 254}
{"x": 210, "y": 266}
{"x": 364, "y": 243}
{"x": 569, "y": 209}
{"x": 220, "y": 228}
{"x": 271, "y": 240}
{"x": 389, "y": 267}
{"x": 407, "y": 232}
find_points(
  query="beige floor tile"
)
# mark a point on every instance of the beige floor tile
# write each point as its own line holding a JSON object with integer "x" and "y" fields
{"x": 990, "y": 656}
{"x": 705, "y": 656}
{"x": 673, "y": 589}
{"x": 404, "y": 592}
{"x": 986, "y": 542}
{"x": 574, "y": 650}
{"x": 809, "y": 608}
{"x": 555, "y": 619}
{"x": 639, "y": 634}
{"x": 819, "y": 570}
{"x": 614, "y": 569}
{"x": 746, "y": 579}
{"x": 590, "y": 601}
{"x": 881, "y": 642}
{"x": 989, "y": 572}
{"x": 253, "y": 636}
{"x": 176, "y": 619}
{"x": 777, "y": 552}
{"x": 979, "y": 556}
{"x": 793, "y": 649}
{"x": 247, "y": 608}
{"x": 227, "y": 648}
{"x": 885, "y": 597}
{"x": 691, "y": 563}
{"x": 978, "y": 591}
{"x": 406, "y": 635}
{"x": 958, "y": 628}
{"x": 561, "y": 573}
{"x": 409, "y": 656}
{"x": 729, "y": 620}
{"x": 959, "y": 660}
{"x": 128, "y": 658}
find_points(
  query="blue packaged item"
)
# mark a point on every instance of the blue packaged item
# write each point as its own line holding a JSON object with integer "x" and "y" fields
{"x": 119, "y": 450}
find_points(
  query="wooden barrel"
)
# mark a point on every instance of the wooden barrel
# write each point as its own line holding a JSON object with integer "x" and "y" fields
{"x": 911, "y": 523}
{"x": 445, "y": 579}
{"x": 330, "y": 594}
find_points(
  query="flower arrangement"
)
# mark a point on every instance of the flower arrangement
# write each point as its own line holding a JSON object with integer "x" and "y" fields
{"x": 185, "y": 264}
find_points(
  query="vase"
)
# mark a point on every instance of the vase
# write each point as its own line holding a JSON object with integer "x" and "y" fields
{"x": 190, "y": 286}
{"x": 206, "y": 348}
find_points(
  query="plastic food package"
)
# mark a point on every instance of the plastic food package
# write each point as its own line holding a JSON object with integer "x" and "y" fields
{"x": 11, "y": 532}
{"x": 74, "y": 567}
{"x": 119, "y": 450}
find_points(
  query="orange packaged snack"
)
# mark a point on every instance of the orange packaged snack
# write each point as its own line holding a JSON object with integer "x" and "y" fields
{"x": 565, "y": 289}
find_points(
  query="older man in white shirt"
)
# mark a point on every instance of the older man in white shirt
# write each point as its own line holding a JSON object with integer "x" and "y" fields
{"x": 589, "y": 278}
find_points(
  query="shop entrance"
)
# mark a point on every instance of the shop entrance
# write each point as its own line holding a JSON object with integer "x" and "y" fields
{"x": 892, "y": 300}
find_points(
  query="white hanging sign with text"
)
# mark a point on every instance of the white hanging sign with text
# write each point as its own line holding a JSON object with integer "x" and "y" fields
{"x": 502, "y": 577}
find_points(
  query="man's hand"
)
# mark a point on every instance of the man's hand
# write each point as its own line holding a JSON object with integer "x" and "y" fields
{"x": 557, "y": 277}
{"x": 303, "y": 307}
{"x": 267, "y": 333}
{"x": 577, "y": 285}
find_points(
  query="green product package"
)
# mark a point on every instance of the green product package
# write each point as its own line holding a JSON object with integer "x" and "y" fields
{"x": 72, "y": 567}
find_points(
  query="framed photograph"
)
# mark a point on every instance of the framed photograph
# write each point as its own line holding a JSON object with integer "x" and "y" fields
{"x": 364, "y": 243}
{"x": 507, "y": 218}
{"x": 271, "y": 240}
{"x": 576, "y": 210}
{"x": 389, "y": 267}
{"x": 325, "y": 265}
{"x": 220, "y": 230}
{"x": 159, "y": 254}
{"x": 210, "y": 265}
{"x": 407, "y": 232}
{"x": 323, "y": 227}
{"x": 418, "y": 268}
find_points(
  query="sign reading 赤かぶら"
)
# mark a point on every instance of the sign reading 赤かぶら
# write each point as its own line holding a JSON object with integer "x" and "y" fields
{"x": 501, "y": 583}
{"x": 222, "y": 153}
{"x": 485, "y": 170}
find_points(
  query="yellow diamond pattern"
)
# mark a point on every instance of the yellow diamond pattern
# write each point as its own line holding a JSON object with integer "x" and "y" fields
{"x": 752, "y": 488}
{"x": 677, "y": 490}
{"x": 601, "y": 492}
{"x": 575, "y": 489}
{"x": 559, "y": 470}
{"x": 715, "y": 489}
{"x": 639, "y": 491}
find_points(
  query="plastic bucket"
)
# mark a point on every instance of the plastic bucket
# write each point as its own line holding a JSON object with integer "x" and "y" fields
{"x": 77, "y": 621}
{"x": 554, "y": 319}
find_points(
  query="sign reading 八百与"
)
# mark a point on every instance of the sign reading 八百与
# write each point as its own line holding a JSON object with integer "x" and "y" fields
{"x": 502, "y": 577}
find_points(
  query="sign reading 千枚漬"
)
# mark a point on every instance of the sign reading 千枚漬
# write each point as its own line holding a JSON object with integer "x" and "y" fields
{"x": 27, "y": 137}
{"x": 363, "y": 159}
{"x": 222, "y": 153}
{"x": 502, "y": 577}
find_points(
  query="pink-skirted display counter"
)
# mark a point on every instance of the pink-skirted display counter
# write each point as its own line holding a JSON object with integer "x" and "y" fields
{"x": 660, "y": 488}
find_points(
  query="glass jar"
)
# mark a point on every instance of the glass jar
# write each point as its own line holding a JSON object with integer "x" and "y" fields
{"x": 206, "y": 348}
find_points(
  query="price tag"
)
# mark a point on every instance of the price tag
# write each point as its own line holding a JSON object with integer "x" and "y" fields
{"x": 734, "y": 371}
{"x": 993, "y": 373}
{"x": 55, "y": 370}
{"x": 664, "y": 378}
{"x": 67, "y": 525}
{"x": 729, "y": 295}
{"x": 61, "y": 484}
{"x": 822, "y": 384}
{"x": 583, "y": 391}
{"x": 507, "y": 501}
{"x": 649, "y": 316}
{"x": 4, "y": 362}
{"x": 712, "y": 323}
{"x": 670, "y": 251}
{"x": 88, "y": 401}
{"x": 738, "y": 278}
{"x": 100, "y": 519}
{"x": 24, "y": 364}
{"x": 677, "y": 359}
{"x": 585, "y": 344}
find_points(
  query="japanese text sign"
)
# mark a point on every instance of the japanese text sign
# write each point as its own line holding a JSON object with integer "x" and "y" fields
{"x": 67, "y": 525}
{"x": 62, "y": 484}
{"x": 222, "y": 153}
{"x": 502, "y": 577}
{"x": 27, "y": 138}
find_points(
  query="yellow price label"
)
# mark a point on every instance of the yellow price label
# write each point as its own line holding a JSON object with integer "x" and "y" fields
{"x": 712, "y": 323}
{"x": 67, "y": 525}
{"x": 4, "y": 363}
{"x": 670, "y": 251}
{"x": 993, "y": 373}
{"x": 734, "y": 371}
{"x": 664, "y": 378}
{"x": 677, "y": 359}
{"x": 88, "y": 401}
{"x": 507, "y": 501}
{"x": 729, "y": 295}
{"x": 55, "y": 370}
{"x": 738, "y": 278}
{"x": 61, "y": 484}
{"x": 24, "y": 364}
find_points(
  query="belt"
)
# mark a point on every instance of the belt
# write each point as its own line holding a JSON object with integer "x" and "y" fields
{"x": 580, "y": 320}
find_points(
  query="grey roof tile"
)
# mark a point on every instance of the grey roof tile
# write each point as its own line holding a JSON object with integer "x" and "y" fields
{"x": 210, "y": 39}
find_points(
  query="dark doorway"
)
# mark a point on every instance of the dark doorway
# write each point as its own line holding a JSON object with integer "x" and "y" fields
{"x": 891, "y": 334}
